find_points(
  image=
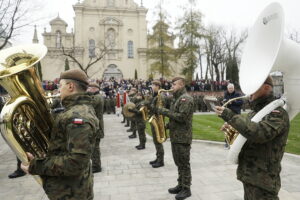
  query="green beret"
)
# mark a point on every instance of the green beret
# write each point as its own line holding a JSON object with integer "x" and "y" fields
{"x": 75, "y": 74}
{"x": 177, "y": 78}
{"x": 156, "y": 82}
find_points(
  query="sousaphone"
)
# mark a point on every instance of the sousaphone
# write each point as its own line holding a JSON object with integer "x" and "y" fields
{"x": 267, "y": 51}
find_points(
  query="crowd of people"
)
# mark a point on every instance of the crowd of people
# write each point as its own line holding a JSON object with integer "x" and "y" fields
{"x": 194, "y": 86}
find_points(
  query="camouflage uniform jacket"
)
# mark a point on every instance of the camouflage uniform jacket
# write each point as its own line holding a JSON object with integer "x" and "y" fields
{"x": 98, "y": 104}
{"x": 66, "y": 169}
{"x": 260, "y": 157}
{"x": 132, "y": 98}
{"x": 181, "y": 117}
{"x": 152, "y": 102}
{"x": 138, "y": 117}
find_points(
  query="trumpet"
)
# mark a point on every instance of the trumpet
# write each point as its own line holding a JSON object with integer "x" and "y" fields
{"x": 230, "y": 132}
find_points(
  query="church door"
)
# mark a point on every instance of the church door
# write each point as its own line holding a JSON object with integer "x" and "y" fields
{"x": 112, "y": 71}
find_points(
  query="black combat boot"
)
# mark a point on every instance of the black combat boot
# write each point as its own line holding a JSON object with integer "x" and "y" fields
{"x": 16, "y": 174}
{"x": 123, "y": 121}
{"x": 158, "y": 164}
{"x": 141, "y": 146}
{"x": 129, "y": 130}
{"x": 126, "y": 125}
{"x": 183, "y": 194}
{"x": 175, "y": 190}
{"x": 133, "y": 135}
{"x": 153, "y": 161}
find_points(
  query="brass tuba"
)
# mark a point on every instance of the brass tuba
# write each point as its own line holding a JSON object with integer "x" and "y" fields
{"x": 26, "y": 122}
{"x": 158, "y": 121}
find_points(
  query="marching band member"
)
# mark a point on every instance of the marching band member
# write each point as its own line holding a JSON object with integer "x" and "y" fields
{"x": 66, "y": 169}
{"x": 259, "y": 160}
{"x": 180, "y": 125}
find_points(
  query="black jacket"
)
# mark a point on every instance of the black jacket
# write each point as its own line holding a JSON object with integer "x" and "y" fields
{"x": 235, "y": 106}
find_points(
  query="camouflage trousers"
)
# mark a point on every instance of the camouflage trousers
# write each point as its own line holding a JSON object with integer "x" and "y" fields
{"x": 254, "y": 193}
{"x": 68, "y": 187}
{"x": 140, "y": 126}
{"x": 133, "y": 125}
{"x": 96, "y": 160}
{"x": 158, "y": 146}
{"x": 181, "y": 156}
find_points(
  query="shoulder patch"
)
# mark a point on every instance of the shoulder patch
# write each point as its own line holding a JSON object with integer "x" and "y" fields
{"x": 77, "y": 121}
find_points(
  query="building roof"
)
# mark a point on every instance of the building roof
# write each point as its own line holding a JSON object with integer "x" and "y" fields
{"x": 58, "y": 21}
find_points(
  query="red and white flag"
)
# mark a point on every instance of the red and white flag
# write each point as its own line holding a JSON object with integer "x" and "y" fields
{"x": 77, "y": 121}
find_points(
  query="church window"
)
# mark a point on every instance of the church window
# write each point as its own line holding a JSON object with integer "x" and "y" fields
{"x": 130, "y": 49}
{"x": 58, "y": 39}
{"x": 92, "y": 48}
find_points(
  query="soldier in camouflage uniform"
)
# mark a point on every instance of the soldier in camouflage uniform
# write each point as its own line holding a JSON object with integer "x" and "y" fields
{"x": 180, "y": 125}
{"x": 66, "y": 170}
{"x": 159, "y": 161}
{"x": 133, "y": 123}
{"x": 112, "y": 103}
{"x": 138, "y": 119}
{"x": 259, "y": 160}
{"x": 98, "y": 104}
{"x": 195, "y": 102}
{"x": 107, "y": 105}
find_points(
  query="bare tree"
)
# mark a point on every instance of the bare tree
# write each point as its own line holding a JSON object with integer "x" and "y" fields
{"x": 95, "y": 55}
{"x": 215, "y": 51}
{"x": 233, "y": 42}
{"x": 14, "y": 15}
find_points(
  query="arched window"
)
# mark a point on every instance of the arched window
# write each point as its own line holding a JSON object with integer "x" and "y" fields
{"x": 58, "y": 39}
{"x": 92, "y": 48}
{"x": 130, "y": 49}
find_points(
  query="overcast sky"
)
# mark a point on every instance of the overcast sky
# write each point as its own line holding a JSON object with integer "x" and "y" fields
{"x": 238, "y": 14}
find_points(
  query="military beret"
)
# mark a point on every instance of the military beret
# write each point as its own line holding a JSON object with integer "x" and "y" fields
{"x": 156, "y": 82}
{"x": 75, "y": 74}
{"x": 94, "y": 85}
{"x": 177, "y": 78}
{"x": 269, "y": 81}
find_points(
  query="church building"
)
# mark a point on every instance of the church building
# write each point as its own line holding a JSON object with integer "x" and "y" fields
{"x": 116, "y": 29}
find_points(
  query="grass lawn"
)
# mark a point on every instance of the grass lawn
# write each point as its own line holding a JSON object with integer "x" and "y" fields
{"x": 207, "y": 127}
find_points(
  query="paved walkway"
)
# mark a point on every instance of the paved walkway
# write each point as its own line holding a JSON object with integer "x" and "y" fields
{"x": 128, "y": 176}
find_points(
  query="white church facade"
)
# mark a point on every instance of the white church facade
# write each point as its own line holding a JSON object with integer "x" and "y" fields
{"x": 119, "y": 26}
